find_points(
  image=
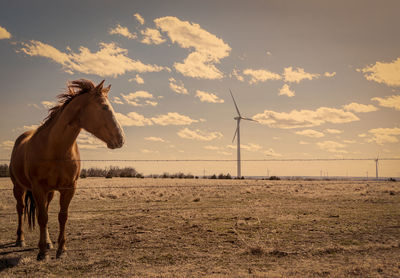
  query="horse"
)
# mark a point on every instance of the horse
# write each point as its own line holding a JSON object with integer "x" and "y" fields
{"x": 47, "y": 159}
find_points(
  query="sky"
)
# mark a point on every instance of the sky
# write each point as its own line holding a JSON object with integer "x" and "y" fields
{"x": 322, "y": 79}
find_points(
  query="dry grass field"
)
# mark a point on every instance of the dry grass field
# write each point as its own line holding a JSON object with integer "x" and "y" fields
{"x": 215, "y": 228}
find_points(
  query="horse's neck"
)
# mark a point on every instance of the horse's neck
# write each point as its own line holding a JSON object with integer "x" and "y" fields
{"x": 63, "y": 132}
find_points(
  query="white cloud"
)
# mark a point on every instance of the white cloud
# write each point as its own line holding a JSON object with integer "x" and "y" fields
{"x": 303, "y": 143}
{"x": 110, "y": 60}
{"x": 235, "y": 73}
{"x": 332, "y": 146}
{"x": 310, "y": 133}
{"x": 208, "y": 97}
{"x": 132, "y": 119}
{"x": 86, "y": 140}
{"x": 360, "y": 108}
{"x": 261, "y": 75}
{"x": 285, "y": 90}
{"x": 197, "y": 134}
{"x": 329, "y": 74}
{"x": 173, "y": 118}
{"x": 248, "y": 147}
{"x": 154, "y": 139}
{"x": 139, "y": 18}
{"x": 333, "y": 131}
{"x": 139, "y": 98}
{"x": 298, "y": 75}
{"x": 384, "y": 135}
{"x": 304, "y": 118}
{"x": 177, "y": 87}
{"x": 117, "y": 100}
{"x": 271, "y": 152}
{"x": 208, "y": 48}
{"x": 7, "y": 145}
{"x": 269, "y": 53}
{"x": 390, "y": 101}
{"x": 212, "y": 148}
{"x": 386, "y": 73}
{"x": 137, "y": 79}
{"x": 152, "y": 36}
{"x": 4, "y": 34}
{"x": 224, "y": 153}
{"x": 48, "y": 104}
{"x": 149, "y": 151}
{"x": 123, "y": 31}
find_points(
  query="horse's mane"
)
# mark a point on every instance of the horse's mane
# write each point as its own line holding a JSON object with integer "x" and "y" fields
{"x": 74, "y": 88}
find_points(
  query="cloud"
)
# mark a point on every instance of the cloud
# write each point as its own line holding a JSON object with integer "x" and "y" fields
{"x": 177, "y": 87}
{"x": 123, "y": 31}
{"x": 212, "y": 148}
{"x": 154, "y": 139}
{"x": 304, "y": 118}
{"x": 329, "y": 74}
{"x": 332, "y": 146}
{"x": 151, "y": 36}
{"x": 271, "y": 152}
{"x": 298, "y": 75}
{"x": 310, "y": 133}
{"x": 139, "y": 18}
{"x": 208, "y": 48}
{"x": 360, "y": 108}
{"x": 261, "y": 75}
{"x": 285, "y": 90}
{"x": 137, "y": 79}
{"x": 7, "y": 145}
{"x": 197, "y": 134}
{"x": 110, "y": 60}
{"x": 390, "y": 101}
{"x": 333, "y": 131}
{"x": 386, "y": 73}
{"x": 133, "y": 119}
{"x": 173, "y": 118}
{"x": 235, "y": 73}
{"x": 117, "y": 100}
{"x": 87, "y": 141}
{"x": 148, "y": 151}
{"x": 383, "y": 135}
{"x": 139, "y": 98}
{"x": 248, "y": 147}
{"x": 48, "y": 104}
{"x": 208, "y": 97}
{"x": 4, "y": 34}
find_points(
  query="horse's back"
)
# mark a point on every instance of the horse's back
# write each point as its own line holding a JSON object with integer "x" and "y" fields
{"x": 17, "y": 162}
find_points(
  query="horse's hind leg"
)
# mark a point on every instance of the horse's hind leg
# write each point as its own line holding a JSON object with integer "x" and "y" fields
{"x": 49, "y": 244}
{"x": 19, "y": 194}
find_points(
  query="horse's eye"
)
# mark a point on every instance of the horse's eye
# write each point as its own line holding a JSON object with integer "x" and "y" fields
{"x": 105, "y": 107}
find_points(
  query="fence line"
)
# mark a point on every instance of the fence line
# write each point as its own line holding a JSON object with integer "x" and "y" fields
{"x": 214, "y": 160}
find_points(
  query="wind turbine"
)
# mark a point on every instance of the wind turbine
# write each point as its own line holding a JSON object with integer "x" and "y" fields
{"x": 376, "y": 166}
{"x": 238, "y": 118}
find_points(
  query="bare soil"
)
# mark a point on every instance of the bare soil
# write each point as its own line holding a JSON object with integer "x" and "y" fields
{"x": 214, "y": 228}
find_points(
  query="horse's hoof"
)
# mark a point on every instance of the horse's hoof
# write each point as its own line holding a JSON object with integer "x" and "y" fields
{"x": 49, "y": 245}
{"x": 42, "y": 257}
{"x": 20, "y": 243}
{"x": 60, "y": 253}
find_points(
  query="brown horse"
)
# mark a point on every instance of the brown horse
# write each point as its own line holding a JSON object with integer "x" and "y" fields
{"x": 47, "y": 159}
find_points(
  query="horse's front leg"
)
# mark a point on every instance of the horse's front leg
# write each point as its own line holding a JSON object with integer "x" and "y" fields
{"x": 49, "y": 244}
{"x": 41, "y": 204}
{"x": 65, "y": 199}
{"x": 19, "y": 194}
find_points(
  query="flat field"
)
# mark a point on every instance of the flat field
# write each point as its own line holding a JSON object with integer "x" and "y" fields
{"x": 126, "y": 227}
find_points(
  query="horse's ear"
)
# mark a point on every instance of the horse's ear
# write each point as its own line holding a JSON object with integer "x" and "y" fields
{"x": 107, "y": 89}
{"x": 99, "y": 87}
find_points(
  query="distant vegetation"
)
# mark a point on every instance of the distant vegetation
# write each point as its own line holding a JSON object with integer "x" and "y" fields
{"x": 4, "y": 171}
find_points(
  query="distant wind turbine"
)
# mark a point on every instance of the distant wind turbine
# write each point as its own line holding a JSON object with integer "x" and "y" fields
{"x": 237, "y": 133}
{"x": 377, "y": 166}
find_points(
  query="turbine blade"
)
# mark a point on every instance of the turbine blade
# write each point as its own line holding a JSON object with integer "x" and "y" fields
{"x": 249, "y": 119}
{"x": 237, "y": 109}
{"x": 234, "y": 136}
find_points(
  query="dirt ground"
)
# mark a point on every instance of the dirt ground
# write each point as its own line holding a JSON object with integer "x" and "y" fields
{"x": 232, "y": 228}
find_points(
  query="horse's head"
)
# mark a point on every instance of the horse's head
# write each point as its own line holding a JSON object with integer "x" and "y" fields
{"x": 98, "y": 118}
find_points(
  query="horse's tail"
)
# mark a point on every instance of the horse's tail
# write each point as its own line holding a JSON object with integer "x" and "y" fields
{"x": 30, "y": 208}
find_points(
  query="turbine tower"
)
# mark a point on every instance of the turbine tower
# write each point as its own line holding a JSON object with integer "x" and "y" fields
{"x": 376, "y": 166}
{"x": 238, "y": 118}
